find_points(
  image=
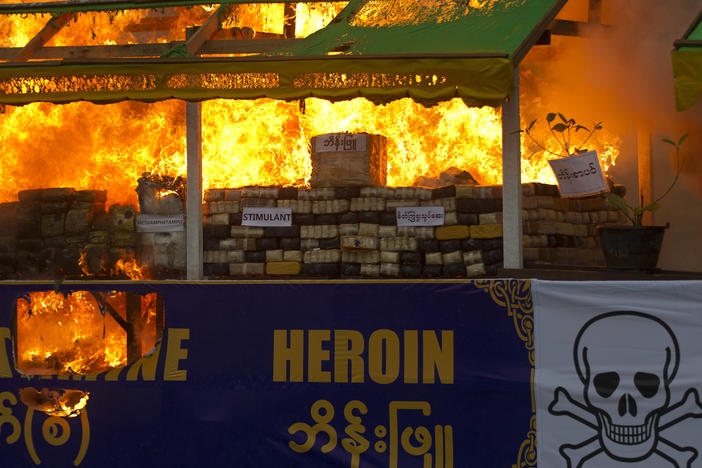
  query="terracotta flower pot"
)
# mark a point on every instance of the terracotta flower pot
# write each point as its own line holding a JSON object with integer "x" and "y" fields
{"x": 631, "y": 247}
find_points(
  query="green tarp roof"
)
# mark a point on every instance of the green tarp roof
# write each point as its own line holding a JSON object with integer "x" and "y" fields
{"x": 430, "y": 50}
{"x": 687, "y": 66}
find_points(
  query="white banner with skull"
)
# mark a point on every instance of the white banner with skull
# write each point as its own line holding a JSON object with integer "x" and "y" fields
{"x": 618, "y": 374}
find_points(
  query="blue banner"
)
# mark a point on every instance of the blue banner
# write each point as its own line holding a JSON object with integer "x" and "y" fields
{"x": 398, "y": 375}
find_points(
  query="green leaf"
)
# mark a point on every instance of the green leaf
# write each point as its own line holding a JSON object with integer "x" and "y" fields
{"x": 531, "y": 125}
{"x": 562, "y": 117}
{"x": 550, "y": 117}
{"x": 682, "y": 138}
{"x": 621, "y": 205}
{"x": 669, "y": 141}
{"x": 559, "y": 127}
{"x": 581, "y": 127}
{"x": 655, "y": 206}
{"x": 598, "y": 126}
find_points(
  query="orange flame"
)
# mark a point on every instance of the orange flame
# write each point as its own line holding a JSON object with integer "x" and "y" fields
{"x": 59, "y": 402}
{"x": 262, "y": 142}
{"x": 74, "y": 333}
{"x": 129, "y": 267}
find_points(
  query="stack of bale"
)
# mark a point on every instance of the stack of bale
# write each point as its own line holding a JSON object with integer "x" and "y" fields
{"x": 352, "y": 232}
{"x": 62, "y": 232}
{"x": 563, "y": 231}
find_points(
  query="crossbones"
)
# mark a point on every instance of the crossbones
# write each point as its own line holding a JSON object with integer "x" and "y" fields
{"x": 577, "y": 454}
{"x": 627, "y": 362}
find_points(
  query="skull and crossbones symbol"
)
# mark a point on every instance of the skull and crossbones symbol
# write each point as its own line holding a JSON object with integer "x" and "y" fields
{"x": 626, "y": 362}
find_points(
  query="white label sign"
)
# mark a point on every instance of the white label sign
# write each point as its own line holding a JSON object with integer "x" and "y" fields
{"x": 334, "y": 142}
{"x": 419, "y": 215}
{"x": 252, "y": 216}
{"x": 160, "y": 223}
{"x": 579, "y": 175}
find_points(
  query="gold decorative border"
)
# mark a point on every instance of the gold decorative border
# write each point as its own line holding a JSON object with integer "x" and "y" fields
{"x": 515, "y": 296}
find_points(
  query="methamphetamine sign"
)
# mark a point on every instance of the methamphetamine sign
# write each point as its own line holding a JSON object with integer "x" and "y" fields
{"x": 391, "y": 375}
{"x": 160, "y": 223}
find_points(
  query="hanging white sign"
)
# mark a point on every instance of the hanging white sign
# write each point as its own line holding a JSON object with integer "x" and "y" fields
{"x": 255, "y": 216}
{"x": 419, "y": 215}
{"x": 579, "y": 175}
{"x": 160, "y": 223}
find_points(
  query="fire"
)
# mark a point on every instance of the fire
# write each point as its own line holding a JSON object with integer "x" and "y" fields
{"x": 83, "y": 263}
{"x": 77, "y": 333}
{"x": 55, "y": 402}
{"x": 130, "y": 268}
{"x": 261, "y": 142}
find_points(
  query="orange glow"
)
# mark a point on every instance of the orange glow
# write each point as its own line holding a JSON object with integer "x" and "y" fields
{"x": 55, "y": 402}
{"x": 261, "y": 142}
{"x": 72, "y": 334}
{"x": 130, "y": 268}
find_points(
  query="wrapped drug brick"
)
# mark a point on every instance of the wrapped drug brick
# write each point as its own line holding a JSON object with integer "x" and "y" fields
{"x": 161, "y": 243}
{"x": 343, "y": 159}
{"x": 160, "y": 194}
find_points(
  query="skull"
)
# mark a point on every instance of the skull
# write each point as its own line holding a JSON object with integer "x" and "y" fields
{"x": 626, "y": 361}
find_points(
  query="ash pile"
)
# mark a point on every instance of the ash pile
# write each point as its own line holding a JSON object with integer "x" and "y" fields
{"x": 64, "y": 233}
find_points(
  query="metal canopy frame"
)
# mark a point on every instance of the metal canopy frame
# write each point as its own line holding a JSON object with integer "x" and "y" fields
{"x": 200, "y": 41}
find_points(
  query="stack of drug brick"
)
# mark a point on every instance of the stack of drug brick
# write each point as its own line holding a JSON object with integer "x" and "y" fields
{"x": 353, "y": 232}
{"x": 62, "y": 232}
{"x": 563, "y": 231}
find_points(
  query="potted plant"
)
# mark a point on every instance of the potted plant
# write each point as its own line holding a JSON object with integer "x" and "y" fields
{"x": 635, "y": 246}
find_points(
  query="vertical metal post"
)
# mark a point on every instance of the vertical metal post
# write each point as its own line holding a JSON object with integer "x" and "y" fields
{"x": 193, "y": 135}
{"x": 512, "y": 180}
{"x": 643, "y": 151}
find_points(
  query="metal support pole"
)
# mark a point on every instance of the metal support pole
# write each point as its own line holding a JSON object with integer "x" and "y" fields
{"x": 193, "y": 135}
{"x": 512, "y": 181}
{"x": 643, "y": 151}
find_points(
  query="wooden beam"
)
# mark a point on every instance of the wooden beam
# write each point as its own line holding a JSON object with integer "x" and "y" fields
{"x": 576, "y": 28}
{"x": 595, "y": 12}
{"x": 47, "y": 32}
{"x": 219, "y": 46}
{"x": 289, "y": 19}
{"x": 133, "y": 313}
{"x": 204, "y": 32}
{"x": 106, "y": 5}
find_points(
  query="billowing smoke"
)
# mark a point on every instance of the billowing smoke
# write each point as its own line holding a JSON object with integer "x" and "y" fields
{"x": 622, "y": 74}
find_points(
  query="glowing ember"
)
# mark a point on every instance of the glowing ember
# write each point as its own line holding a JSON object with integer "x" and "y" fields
{"x": 79, "y": 333}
